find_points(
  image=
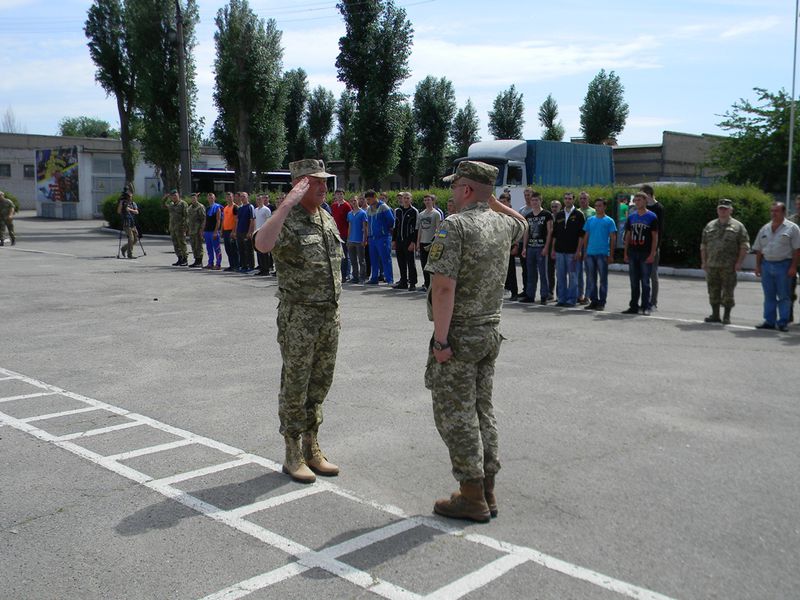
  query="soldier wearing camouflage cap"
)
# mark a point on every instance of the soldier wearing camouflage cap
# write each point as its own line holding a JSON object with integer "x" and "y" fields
{"x": 307, "y": 251}
{"x": 196, "y": 222}
{"x": 178, "y": 225}
{"x": 725, "y": 243}
{"x": 468, "y": 262}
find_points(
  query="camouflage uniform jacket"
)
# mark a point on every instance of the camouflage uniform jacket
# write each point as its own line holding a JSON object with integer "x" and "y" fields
{"x": 196, "y": 217}
{"x": 308, "y": 255}
{"x": 471, "y": 247}
{"x": 723, "y": 242}
{"x": 6, "y": 206}
{"x": 178, "y": 213}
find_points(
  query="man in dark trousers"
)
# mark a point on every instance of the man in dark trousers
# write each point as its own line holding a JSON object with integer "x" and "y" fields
{"x": 404, "y": 241}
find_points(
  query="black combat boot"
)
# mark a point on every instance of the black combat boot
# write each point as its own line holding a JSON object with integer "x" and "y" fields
{"x": 714, "y": 316}
{"x": 726, "y": 317}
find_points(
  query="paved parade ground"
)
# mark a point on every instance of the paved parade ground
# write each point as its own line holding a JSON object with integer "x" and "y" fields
{"x": 643, "y": 457}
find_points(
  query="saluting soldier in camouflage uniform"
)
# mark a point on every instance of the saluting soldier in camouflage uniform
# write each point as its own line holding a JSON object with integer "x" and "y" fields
{"x": 468, "y": 261}
{"x": 178, "y": 225}
{"x": 6, "y": 220}
{"x": 197, "y": 221}
{"x": 307, "y": 251}
{"x": 724, "y": 245}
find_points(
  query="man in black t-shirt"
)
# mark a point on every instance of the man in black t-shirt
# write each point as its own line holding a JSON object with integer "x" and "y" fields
{"x": 535, "y": 248}
{"x": 657, "y": 208}
{"x": 567, "y": 234}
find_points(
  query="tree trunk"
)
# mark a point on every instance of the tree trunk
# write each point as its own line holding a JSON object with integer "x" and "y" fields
{"x": 243, "y": 179}
{"x": 128, "y": 162}
{"x": 170, "y": 176}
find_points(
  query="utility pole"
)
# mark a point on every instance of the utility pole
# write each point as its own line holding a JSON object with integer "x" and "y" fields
{"x": 791, "y": 114}
{"x": 186, "y": 151}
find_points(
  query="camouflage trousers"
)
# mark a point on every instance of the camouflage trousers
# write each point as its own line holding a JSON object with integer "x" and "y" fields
{"x": 179, "y": 244}
{"x": 7, "y": 224}
{"x": 721, "y": 282}
{"x": 461, "y": 389}
{"x": 196, "y": 240}
{"x": 308, "y": 337}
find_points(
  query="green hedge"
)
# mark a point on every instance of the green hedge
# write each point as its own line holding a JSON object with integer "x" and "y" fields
{"x": 687, "y": 209}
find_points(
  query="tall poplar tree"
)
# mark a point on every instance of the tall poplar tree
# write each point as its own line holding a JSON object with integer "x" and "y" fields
{"x": 345, "y": 132}
{"x": 434, "y": 108}
{"x": 604, "y": 110}
{"x": 507, "y": 115}
{"x": 321, "y": 106}
{"x": 465, "y": 128}
{"x": 548, "y": 118}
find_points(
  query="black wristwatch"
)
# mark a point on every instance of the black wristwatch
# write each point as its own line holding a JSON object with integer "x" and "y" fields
{"x": 439, "y": 346}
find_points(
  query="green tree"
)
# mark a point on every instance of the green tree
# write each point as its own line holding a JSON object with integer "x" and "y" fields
{"x": 548, "y": 118}
{"x": 86, "y": 127}
{"x": 434, "y": 109}
{"x": 109, "y": 47}
{"x": 247, "y": 79}
{"x": 465, "y": 128}
{"x": 758, "y": 147}
{"x": 151, "y": 30}
{"x": 604, "y": 111}
{"x": 321, "y": 106}
{"x": 409, "y": 145}
{"x": 373, "y": 62}
{"x": 295, "y": 85}
{"x": 345, "y": 132}
{"x": 507, "y": 115}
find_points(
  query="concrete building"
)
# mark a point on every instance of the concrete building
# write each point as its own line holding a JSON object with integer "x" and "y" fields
{"x": 68, "y": 177}
{"x": 681, "y": 157}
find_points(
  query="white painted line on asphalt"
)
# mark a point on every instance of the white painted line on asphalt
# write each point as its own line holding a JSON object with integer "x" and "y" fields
{"x": 64, "y": 413}
{"x": 249, "y": 509}
{"x": 41, "y": 252}
{"x": 26, "y": 396}
{"x": 149, "y": 450}
{"x": 478, "y": 579}
{"x": 247, "y": 587}
{"x": 98, "y": 431}
{"x": 6, "y": 378}
{"x": 307, "y": 557}
{"x": 370, "y": 538}
{"x": 172, "y": 479}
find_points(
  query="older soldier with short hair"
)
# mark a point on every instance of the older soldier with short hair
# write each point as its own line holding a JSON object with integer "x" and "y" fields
{"x": 196, "y": 219}
{"x": 724, "y": 245}
{"x": 307, "y": 250}
{"x": 178, "y": 226}
{"x": 468, "y": 263}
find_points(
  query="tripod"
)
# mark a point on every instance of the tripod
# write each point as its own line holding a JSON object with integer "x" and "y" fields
{"x": 136, "y": 236}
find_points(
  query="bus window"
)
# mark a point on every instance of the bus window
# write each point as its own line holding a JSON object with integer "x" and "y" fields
{"x": 514, "y": 175}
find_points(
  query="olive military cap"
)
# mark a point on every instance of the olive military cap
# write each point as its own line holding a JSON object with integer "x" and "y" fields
{"x": 479, "y": 172}
{"x": 308, "y": 167}
{"x": 725, "y": 203}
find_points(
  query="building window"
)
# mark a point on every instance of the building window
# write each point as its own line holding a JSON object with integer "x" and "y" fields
{"x": 28, "y": 171}
{"x": 5, "y": 170}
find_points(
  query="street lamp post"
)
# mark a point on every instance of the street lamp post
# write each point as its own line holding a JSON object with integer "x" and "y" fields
{"x": 186, "y": 152}
{"x": 791, "y": 112}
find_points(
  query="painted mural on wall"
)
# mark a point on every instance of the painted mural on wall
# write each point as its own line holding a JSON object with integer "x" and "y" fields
{"x": 57, "y": 175}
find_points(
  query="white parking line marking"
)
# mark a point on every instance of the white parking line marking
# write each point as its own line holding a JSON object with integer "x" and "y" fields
{"x": 41, "y": 252}
{"x": 149, "y": 450}
{"x": 249, "y": 509}
{"x": 477, "y": 579}
{"x": 6, "y": 378}
{"x": 245, "y": 588}
{"x": 26, "y": 396}
{"x": 98, "y": 431}
{"x": 65, "y": 413}
{"x": 307, "y": 558}
{"x": 172, "y": 479}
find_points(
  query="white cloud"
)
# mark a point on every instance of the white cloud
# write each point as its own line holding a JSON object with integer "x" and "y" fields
{"x": 747, "y": 28}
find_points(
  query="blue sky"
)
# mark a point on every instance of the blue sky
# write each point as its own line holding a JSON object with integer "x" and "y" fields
{"x": 683, "y": 63}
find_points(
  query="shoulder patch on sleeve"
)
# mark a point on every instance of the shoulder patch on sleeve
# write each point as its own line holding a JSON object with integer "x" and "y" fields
{"x": 437, "y": 248}
{"x": 442, "y": 233}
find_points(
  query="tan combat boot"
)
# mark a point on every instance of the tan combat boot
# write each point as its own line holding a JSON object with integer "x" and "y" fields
{"x": 468, "y": 503}
{"x": 488, "y": 493}
{"x": 314, "y": 457}
{"x": 294, "y": 465}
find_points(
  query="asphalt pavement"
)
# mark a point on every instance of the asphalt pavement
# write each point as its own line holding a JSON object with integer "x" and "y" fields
{"x": 643, "y": 457}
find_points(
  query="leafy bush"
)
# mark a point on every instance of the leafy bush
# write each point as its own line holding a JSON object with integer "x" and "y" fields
{"x": 13, "y": 198}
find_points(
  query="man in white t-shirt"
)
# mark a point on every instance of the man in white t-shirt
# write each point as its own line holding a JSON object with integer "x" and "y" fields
{"x": 263, "y": 213}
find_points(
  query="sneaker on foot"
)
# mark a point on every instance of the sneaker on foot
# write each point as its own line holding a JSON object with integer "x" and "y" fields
{"x": 765, "y": 325}
{"x": 630, "y": 311}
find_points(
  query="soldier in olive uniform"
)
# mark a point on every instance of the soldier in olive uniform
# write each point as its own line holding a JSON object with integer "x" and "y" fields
{"x": 196, "y": 219}
{"x": 724, "y": 245}
{"x": 178, "y": 225}
{"x": 6, "y": 220}
{"x": 468, "y": 261}
{"x": 307, "y": 251}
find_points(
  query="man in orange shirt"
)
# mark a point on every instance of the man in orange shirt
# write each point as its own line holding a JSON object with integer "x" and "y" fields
{"x": 228, "y": 225}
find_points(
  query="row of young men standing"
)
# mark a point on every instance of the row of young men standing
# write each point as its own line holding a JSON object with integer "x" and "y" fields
{"x": 569, "y": 250}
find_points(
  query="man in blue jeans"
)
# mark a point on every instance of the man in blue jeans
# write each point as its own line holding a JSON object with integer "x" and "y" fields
{"x": 599, "y": 241}
{"x": 777, "y": 249}
{"x": 536, "y": 247}
{"x": 567, "y": 234}
{"x": 641, "y": 242}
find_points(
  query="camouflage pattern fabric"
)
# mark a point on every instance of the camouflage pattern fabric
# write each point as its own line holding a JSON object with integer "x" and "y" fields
{"x": 307, "y": 257}
{"x": 461, "y": 389}
{"x": 6, "y": 206}
{"x": 471, "y": 247}
{"x": 721, "y": 282}
{"x": 197, "y": 220}
{"x": 7, "y": 223}
{"x": 308, "y": 336}
{"x": 722, "y": 243}
{"x": 130, "y": 233}
{"x": 178, "y": 224}
{"x": 179, "y": 244}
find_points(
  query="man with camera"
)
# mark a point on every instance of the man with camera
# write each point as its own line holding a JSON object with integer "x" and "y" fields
{"x": 127, "y": 209}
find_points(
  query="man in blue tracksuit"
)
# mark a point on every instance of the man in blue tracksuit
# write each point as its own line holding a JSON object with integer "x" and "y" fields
{"x": 380, "y": 219}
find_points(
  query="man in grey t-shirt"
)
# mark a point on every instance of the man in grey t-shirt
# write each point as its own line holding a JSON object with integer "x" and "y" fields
{"x": 427, "y": 224}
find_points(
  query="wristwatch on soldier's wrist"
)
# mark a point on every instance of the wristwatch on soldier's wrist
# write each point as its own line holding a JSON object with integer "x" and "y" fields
{"x": 439, "y": 346}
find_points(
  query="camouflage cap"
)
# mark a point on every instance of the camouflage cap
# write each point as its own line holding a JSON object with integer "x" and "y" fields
{"x": 308, "y": 167}
{"x": 173, "y": 191}
{"x": 724, "y": 203}
{"x": 479, "y": 172}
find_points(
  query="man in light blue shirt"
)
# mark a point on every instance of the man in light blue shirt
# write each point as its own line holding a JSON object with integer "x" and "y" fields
{"x": 600, "y": 238}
